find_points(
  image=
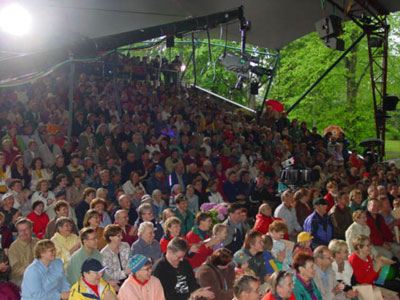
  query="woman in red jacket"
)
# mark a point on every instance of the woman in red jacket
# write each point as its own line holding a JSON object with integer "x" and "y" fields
{"x": 39, "y": 218}
{"x": 172, "y": 229}
{"x": 365, "y": 270}
{"x": 199, "y": 236}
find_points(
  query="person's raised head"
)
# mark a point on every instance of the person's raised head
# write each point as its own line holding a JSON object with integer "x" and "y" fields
{"x": 234, "y": 211}
{"x": 88, "y": 238}
{"x": 323, "y": 257}
{"x": 172, "y": 226}
{"x": 24, "y": 229}
{"x": 281, "y": 283}
{"x": 246, "y": 287}
{"x": 112, "y": 232}
{"x": 303, "y": 263}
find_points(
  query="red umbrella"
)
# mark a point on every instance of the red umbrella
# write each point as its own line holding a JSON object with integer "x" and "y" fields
{"x": 275, "y": 105}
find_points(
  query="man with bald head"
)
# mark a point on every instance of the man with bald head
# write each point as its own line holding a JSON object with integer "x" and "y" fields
{"x": 125, "y": 203}
{"x": 129, "y": 233}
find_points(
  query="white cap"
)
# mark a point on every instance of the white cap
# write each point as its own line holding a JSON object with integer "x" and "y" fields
{"x": 6, "y": 195}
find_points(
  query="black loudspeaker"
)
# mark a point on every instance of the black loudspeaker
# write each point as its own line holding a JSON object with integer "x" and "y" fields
{"x": 390, "y": 102}
{"x": 329, "y": 27}
{"x": 334, "y": 43}
{"x": 170, "y": 42}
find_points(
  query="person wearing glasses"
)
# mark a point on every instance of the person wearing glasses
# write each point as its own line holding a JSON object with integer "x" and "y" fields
{"x": 44, "y": 278}
{"x": 325, "y": 277}
{"x": 91, "y": 285}
{"x": 366, "y": 270}
{"x": 141, "y": 284}
{"x": 281, "y": 286}
{"x": 89, "y": 242}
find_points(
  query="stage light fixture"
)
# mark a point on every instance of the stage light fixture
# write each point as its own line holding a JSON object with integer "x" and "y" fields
{"x": 15, "y": 20}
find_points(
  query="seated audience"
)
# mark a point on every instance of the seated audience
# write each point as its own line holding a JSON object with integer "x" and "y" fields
{"x": 318, "y": 224}
{"x": 90, "y": 284}
{"x": 44, "y": 278}
{"x": 247, "y": 288}
{"x": 176, "y": 274}
{"x": 218, "y": 274}
{"x": 92, "y": 220}
{"x": 182, "y": 212}
{"x": 21, "y": 252}
{"x": 304, "y": 285}
{"x": 141, "y": 284}
{"x": 65, "y": 241}
{"x": 146, "y": 244}
{"x": 281, "y": 286}
{"x": 116, "y": 254}
{"x": 39, "y": 219}
{"x": 89, "y": 242}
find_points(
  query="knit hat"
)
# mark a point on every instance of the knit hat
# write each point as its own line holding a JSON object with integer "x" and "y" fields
{"x": 240, "y": 257}
{"x": 137, "y": 262}
{"x": 304, "y": 237}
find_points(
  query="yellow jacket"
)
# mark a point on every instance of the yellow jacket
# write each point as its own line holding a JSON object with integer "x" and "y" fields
{"x": 80, "y": 291}
{"x": 63, "y": 245}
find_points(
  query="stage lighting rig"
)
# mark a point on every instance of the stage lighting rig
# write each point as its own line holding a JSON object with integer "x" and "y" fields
{"x": 242, "y": 64}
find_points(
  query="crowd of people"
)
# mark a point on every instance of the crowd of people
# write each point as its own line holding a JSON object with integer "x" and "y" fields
{"x": 165, "y": 193}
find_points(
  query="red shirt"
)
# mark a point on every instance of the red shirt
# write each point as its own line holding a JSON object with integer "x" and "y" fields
{"x": 203, "y": 252}
{"x": 330, "y": 200}
{"x": 363, "y": 270}
{"x": 128, "y": 238}
{"x": 39, "y": 223}
{"x": 269, "y": 296}
{"x": 379, "y": 234}
{"x": 262, "y": 224}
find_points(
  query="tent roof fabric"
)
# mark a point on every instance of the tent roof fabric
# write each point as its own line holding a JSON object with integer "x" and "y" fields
{"x": 275, "y": 23}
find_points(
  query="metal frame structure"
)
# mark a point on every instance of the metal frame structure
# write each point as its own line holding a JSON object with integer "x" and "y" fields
{"x": 371, "y": 17}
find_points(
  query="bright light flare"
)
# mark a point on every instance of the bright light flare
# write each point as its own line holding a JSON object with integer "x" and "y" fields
{"x": 183, "y": 68}
{"x": 15, "y": 20}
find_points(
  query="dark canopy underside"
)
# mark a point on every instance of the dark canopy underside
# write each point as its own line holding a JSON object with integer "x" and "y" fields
{"x": 275, "y": 23}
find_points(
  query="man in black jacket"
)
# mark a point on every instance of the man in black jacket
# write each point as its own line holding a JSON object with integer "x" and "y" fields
{"x": 176, "y": 274}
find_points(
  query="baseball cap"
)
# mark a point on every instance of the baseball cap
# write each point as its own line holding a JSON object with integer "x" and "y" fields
{"x": 6, "y": 195}
{"x": 304, "y": 237}
{"x": 92, "y": 265}
{"x": 319, "y": 201}
{"x": 240, "y": 257}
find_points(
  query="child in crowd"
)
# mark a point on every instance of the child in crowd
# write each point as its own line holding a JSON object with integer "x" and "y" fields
{"x": 241, "y": 261}
{"x": 303, "y": 243}
{"x": 220, "y": 231}
{"x": 279, "y": 250}
{"x": 270, "y": 262}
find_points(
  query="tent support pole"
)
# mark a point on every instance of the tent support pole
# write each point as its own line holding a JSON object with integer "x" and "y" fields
{"x": 277, "y": 60}
{"x": 325, "y": 73}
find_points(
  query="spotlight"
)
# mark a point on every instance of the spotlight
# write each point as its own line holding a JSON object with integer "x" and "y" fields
{"x": 15, "y": 20}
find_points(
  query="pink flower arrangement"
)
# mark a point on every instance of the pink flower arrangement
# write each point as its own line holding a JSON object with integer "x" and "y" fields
{"x": 218, "y": 212}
